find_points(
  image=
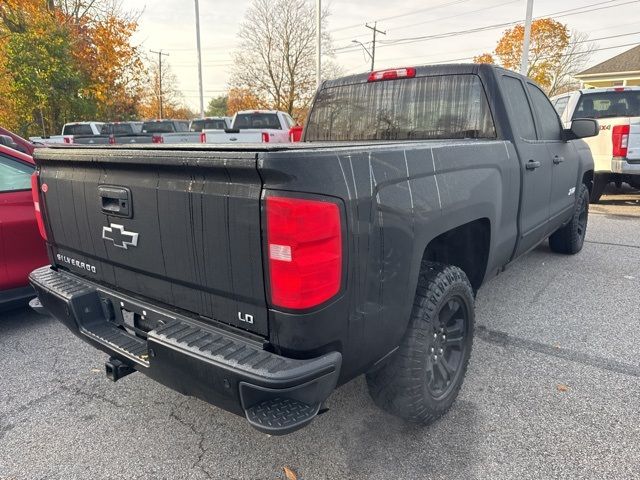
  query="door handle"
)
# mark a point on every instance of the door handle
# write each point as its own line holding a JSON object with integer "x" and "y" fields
{"x": 532, "y": 165}
{"x": 557, "y": 159}
{"x": 115, "y": 200}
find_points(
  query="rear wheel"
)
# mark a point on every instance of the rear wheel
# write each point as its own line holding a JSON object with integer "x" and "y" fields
{"x": 570, "y": 238}
{"x": 422, "y": 380}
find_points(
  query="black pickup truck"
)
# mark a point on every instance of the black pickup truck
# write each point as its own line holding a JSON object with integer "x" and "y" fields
{"x": 260, "y": 277}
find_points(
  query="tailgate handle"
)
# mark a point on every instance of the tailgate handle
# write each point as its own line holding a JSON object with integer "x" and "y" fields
{"x": 115, "y": 201}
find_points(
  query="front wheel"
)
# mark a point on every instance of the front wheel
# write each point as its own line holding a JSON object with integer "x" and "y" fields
{"x": 423, "y": 378}
{"x": 570, "y": 238}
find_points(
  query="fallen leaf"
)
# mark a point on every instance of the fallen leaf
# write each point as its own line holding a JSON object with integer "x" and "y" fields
{"x": 290, "y": 474}
{"x": 562, "y": 388}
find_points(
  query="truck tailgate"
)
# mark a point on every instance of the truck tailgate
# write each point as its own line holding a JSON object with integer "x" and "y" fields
{"x": 633, "y": 151}
{"x": 188, "y": 235}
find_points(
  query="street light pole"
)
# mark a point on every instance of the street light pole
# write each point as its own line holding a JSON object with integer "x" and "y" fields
{"x": 318, "y": 43}
{"x": 524, "y": 63}
{"x": 199, "y": 60}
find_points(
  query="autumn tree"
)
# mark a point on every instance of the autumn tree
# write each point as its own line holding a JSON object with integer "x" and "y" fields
{"x": 554, "y": 56}
{"x": 276, "y": 57}
{"x": 66, "y": 60}
{"x": 484, "y": 58}
{"x": 243, "y": 99}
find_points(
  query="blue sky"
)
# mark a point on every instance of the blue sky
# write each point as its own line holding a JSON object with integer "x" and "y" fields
{"x": 169, "y": 25}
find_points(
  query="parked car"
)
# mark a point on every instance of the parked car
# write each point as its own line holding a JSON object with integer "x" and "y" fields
{"x": 210, "y": 123}
{"x": 111, "y": 133}
{"x": 260, "y": 277}
{"x": 616, "y": 150}
{"x": 254, "y": 126}
{"x": 21, "y": 246}
{"x": 23, "y": 145}
{"x": 69, "y": 130}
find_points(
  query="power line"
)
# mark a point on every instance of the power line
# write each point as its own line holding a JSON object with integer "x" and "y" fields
{"x": 433, "y": 20}
{"x": 561, "y": 13}
{"x": 402, "y": 41}
{"x": 413, "y": 12}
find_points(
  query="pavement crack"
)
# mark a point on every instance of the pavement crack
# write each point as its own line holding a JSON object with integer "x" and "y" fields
{"x": 504, "y": 339}
{"x": 200, "y": 434}
{"x": 624, "y": 245}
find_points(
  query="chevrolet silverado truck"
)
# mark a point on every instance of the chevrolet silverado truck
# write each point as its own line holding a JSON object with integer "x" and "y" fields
{"x": 616, "y": 149}
{"x": 259, "y": 277}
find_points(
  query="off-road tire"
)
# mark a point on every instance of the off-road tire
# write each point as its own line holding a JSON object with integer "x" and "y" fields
{"x": 403, "y": 386}
{"x": 635, "y": 182}
{"x": 600, "y": 182}
{"x": 570, "y": 238}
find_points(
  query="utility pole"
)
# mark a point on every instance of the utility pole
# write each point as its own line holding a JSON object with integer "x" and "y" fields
{"x": 199, "y": 60}
{"x": 524, "y": 63}
{"x": 160, "y": 54}
{"x": 318, "y": 43}
{"x": 373, "y": 45}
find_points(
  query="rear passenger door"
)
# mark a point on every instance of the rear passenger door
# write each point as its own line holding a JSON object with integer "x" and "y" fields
{"x": 564, "y": 156}
{"x": 535, "y": 163}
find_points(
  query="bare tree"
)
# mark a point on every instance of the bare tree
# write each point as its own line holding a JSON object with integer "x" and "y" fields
{"x": 573, "y": 60}
{"x": 276, "y": 57}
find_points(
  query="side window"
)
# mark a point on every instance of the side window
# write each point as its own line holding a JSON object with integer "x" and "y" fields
{"x": 520, "y": 110}
{"x": 14, "y": 175}
{"x": 561, "y": 105}
{"x": 547, "y": 115}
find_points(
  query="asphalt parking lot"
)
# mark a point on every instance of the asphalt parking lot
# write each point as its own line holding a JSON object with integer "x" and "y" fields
{"x": 553, "y": 391}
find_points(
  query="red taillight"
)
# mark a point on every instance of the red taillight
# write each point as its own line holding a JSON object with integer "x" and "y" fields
{"x": 203, "y": 137}
{"x": 67, "y": 139}
{"x": 112, "y": 140}
{"x": 619, "y": 89}
{"x": 392, "y": 74}
{"x": 265, "y": 137}
{"x": 35, "y": 194}
{"x": 157, "y": 139}
{"x": 620, "y": 137}
{"x": 304, "y": 241}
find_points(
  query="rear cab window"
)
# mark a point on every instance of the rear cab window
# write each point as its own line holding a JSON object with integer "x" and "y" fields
{"x": 421, "y": 108}
{"x": 624, "y": 103}
{"x": 158, "y": 127}
{"x": 256, "y": 121}
{"x": 208, "y": 124}
{"x": 80, "y": 129}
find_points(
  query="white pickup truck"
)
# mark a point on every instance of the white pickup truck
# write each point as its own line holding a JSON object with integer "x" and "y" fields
{"x": 616, "y": 150}
{"x": 69, "y": 130}
{"x": 253, "y": 126}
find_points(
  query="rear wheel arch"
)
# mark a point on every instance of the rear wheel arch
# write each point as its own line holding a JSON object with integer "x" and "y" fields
{"x": 466, "y": 246}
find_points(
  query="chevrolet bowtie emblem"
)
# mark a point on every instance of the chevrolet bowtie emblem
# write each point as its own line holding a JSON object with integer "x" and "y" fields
{"x": 119, "y": 236}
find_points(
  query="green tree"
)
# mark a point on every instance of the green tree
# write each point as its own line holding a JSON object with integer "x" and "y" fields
{"x": 217, "y": 106}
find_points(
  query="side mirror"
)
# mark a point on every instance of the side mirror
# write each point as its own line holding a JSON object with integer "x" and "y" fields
{"x": 582, "y": 128}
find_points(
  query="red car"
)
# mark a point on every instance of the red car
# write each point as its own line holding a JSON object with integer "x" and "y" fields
{"x": 22, "y": 247}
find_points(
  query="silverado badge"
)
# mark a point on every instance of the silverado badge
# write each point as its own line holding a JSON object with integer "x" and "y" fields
{"x": 119, "y": 236}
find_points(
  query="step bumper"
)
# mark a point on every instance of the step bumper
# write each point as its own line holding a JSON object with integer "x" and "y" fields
{"x": 276, "y": 394}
